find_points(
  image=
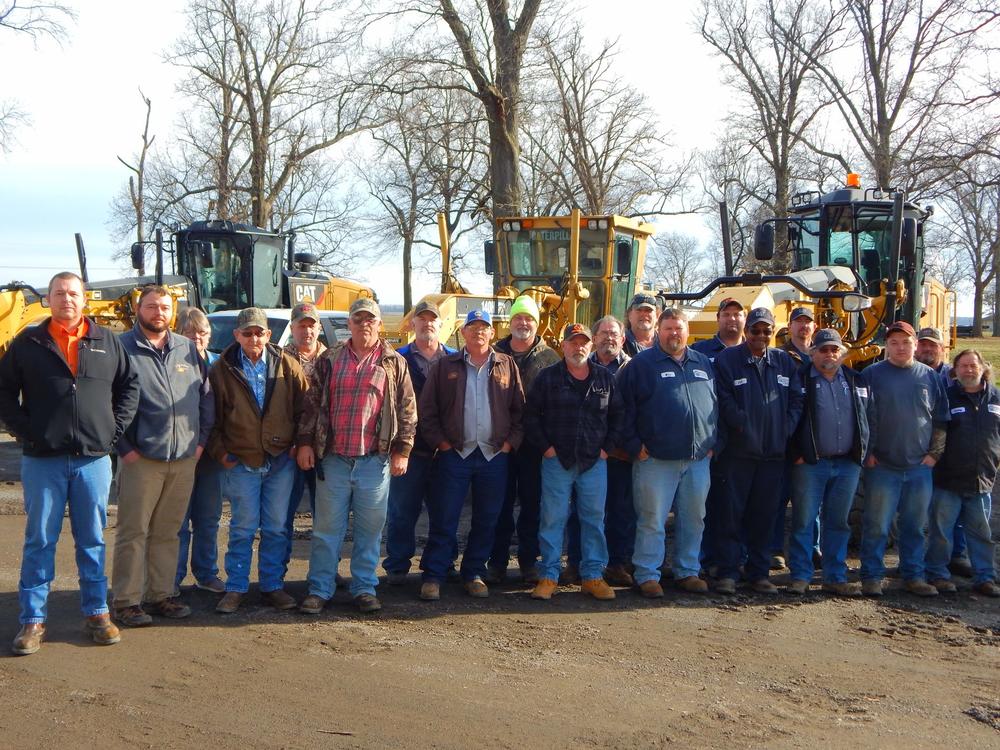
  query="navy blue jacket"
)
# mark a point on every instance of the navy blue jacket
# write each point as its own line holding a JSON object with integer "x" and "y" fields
{"x": 579, "y": 426}
{"x": 670, "y": 408}
{"x": 409, "y": 353}
{"x": 757, "y": 415}
{"x": 710, "y": 347}
{"x": 971, "y": 455}
{"x": 803, "y": 443}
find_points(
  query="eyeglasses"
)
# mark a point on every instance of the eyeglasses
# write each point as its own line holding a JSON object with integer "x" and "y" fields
{"x": 364, "y": 320}
{"x": 761, "y": 331}
{"x": 829, "y": 349}
{"x": 258, "y": 334}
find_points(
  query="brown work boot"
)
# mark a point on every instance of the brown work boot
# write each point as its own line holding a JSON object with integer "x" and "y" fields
{"x": 920, "y": 587}
{"x": 871, "y": 587}
{"x": 944, "y": 585}
{"x": 598, "y": 588}
{"x": 229, "y": 603}
{"x": 477, "y": 588}
{"x": 102, "y": 630}
{"x": 692, "y": 585}
{"x": 764, "y": 586}
{"x": 28, "y": 639}
{"x": 987, "y": 588}
{"x": 544, "y": 589}
{"x": 725, "y": 586}
{"x": 279, "y": 599}
{"x": 842, "y": 588}
{"x": 430, "y": 591}
{"x": 651, "y": 589}
{"x": 213, "y": 584}
{"x": 172, "y": 608}
{"x": 133, "y": 617}
{"x": 617, "y": 575}
{"x": 312, "y": 605}
{"x": 797, "y": 586}
{"x": 569, "y": 575}
{"x": 367, "y": 603}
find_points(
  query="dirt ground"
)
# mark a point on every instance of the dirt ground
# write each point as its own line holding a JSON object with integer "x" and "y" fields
{"x": 686, "y": 671}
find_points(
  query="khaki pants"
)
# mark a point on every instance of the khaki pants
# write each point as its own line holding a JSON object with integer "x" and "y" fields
{"x": 153, "y": 497}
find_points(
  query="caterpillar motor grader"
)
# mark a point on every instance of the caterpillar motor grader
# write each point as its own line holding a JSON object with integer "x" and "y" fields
{"x": 857, "y": 262}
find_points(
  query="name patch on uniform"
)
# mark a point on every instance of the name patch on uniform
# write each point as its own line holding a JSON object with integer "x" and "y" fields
{"x": 994, "y": 408}
{"x": 452, "y": 376}
{"x": 668, "y": 374}
{"x": 740, "y": 381}
{"x": 862, "y": 392}
{"x": 97, "y": 351}
{"x": 700, "y": 374}
{"x": 181, "y": 368}
{"x": 712, "y": 360}
{"x": 783, "y": 380}
{"x": 959, "y": 410}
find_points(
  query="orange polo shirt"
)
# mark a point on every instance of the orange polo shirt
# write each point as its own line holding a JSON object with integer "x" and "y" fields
{"x": 68, "y": 341}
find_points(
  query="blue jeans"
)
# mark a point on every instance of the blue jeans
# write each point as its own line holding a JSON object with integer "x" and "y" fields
{"x": 947, "y": 508}
{"x": 258, "y": 499}
{"x": 658, "y": 486}
{"x": 202, "y": 524}
{"x": 826, "y": 487}
{"x": 358, "y": 486}
{"x": 887, "y": 491}
{"x": 524, "y": 488}
{"x": 619, "y": 518}
{"x": 444, "y": 508}
{"x": 303, "y": 480}
{"x": 748, "y": 499}
{"x": 558, "y": 485}
{"x": 49, "y": 484}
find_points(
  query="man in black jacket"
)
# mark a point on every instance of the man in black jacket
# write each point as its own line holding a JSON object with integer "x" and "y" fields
{"x": 67, "y": 393}
{"x": 964, "y": 477}
{"x": 826, "y": 452}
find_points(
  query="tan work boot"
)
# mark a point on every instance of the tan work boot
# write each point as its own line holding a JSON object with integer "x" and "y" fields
{"x": 797, "y": 586}
{"x": 229, "y": 603}
{"x": 920, "y": 587}
{"x": 725, "y": 586}
{"x": 102, "y": 630}
{"x": 598, "y": 588}
{"x": 279, "y": 599}
{"x": 944, "y": 586}
{"x": 430, "y": 591}
{"x": 28, "y": 639}
{"x": 872, "y": 587}
{"x": 842, "y": 588}
{"x": 312, "y": 605}
{"x": 987, "y": 588}
{"x": 692, "y": 584}
{"x": 544, "y": 589}
{"x": 477, "y": 588}
{"x": 651, "y": 589}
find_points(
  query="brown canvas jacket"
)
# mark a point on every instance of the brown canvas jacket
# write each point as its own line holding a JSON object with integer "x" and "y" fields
{"x": 397, "y": 423}
{"x": 442, "y": 401}
{"x": 240, "y": 427}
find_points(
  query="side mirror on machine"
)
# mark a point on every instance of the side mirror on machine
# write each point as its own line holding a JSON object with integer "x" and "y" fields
{"x": 908, "y": 243}
{"x": 490, "y": 256}
{"x": 305, "y": 260}
{"x": 623, "y": 257}
{"x": 138, "y": 256}
{"x": 763, "y": 242}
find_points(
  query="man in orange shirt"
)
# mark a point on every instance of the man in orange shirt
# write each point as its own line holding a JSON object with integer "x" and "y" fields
{"x": 67, "y": 393}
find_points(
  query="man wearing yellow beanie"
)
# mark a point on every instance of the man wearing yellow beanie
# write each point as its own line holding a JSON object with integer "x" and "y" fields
{"x": 524, "y": 482}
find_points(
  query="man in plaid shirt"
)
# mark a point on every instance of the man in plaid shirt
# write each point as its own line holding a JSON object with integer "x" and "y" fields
{"x": 357, "y": 428}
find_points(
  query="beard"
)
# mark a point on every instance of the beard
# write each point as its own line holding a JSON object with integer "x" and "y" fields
{"x": 577, "y": 360}
{"x": 154, "y": 327}
{"x": 970, "y": 382}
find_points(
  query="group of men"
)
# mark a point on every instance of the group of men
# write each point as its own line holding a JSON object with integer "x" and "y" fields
{"x": 592, "y": 450}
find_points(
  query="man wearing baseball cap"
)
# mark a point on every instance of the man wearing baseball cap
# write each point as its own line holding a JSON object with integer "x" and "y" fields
{"x": 826, "y": 453}
{"x": 305, "y": 347}
{"x": 259, "y": 393}
{"x": 641, "y": 333}
{"x": 470, "y": 410}
{"x": 357, "y": 426}
{"x": 760, "y": 402}
{"x": 524, "y": 465}
{"x": 907, "y": 418}
{"x": 730, "y": 319}
{"x": 409, "y": 492}
{"x": 573, "y": 414}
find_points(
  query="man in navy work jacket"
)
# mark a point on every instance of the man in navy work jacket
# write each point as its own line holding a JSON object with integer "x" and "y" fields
{"x": 826, "y": 454}
{"x": 760, "y": 402}
{"x": 671, "y": 426}
{"x": 964, "y": 477}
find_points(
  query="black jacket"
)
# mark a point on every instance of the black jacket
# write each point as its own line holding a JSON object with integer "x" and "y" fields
{"x": 803, "y": 442}
{"x": 972, "y": 450}
{"x": 56, "y": 414}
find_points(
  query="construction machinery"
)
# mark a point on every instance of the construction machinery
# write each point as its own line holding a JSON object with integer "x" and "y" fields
{"x": 857, "y": 262}
{"x": 577, "y": 268}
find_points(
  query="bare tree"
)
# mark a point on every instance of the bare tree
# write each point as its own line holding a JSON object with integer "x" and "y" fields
{"x": 137, "y": 180}
{"x": 677, "y": 262}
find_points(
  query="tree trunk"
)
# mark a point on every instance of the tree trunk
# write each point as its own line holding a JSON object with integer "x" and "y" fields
{"x": 977, "y": 309}
{"x": 505, "y": 152}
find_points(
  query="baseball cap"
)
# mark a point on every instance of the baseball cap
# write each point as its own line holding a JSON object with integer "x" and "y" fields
{"x": 251, "y": 317}
{"x": 424, "y": 306}
{"x": 642, "y": 300}
{"x": 900, "y": 326}
{"x": 932, "y": 334}
{"x": 303, "y": 311}
{"x": 825, "y": 337}
{"x": 478, "y": 316}
{"x": 759, "y": 315}
{"x": 576, "y": 329}
{"x": 729, "y": 302}
{"x": 365, "y": 304}
{"x": 800, "y": 312}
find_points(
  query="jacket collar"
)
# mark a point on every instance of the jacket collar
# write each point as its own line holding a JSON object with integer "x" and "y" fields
{"x": 40, "y": 332}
